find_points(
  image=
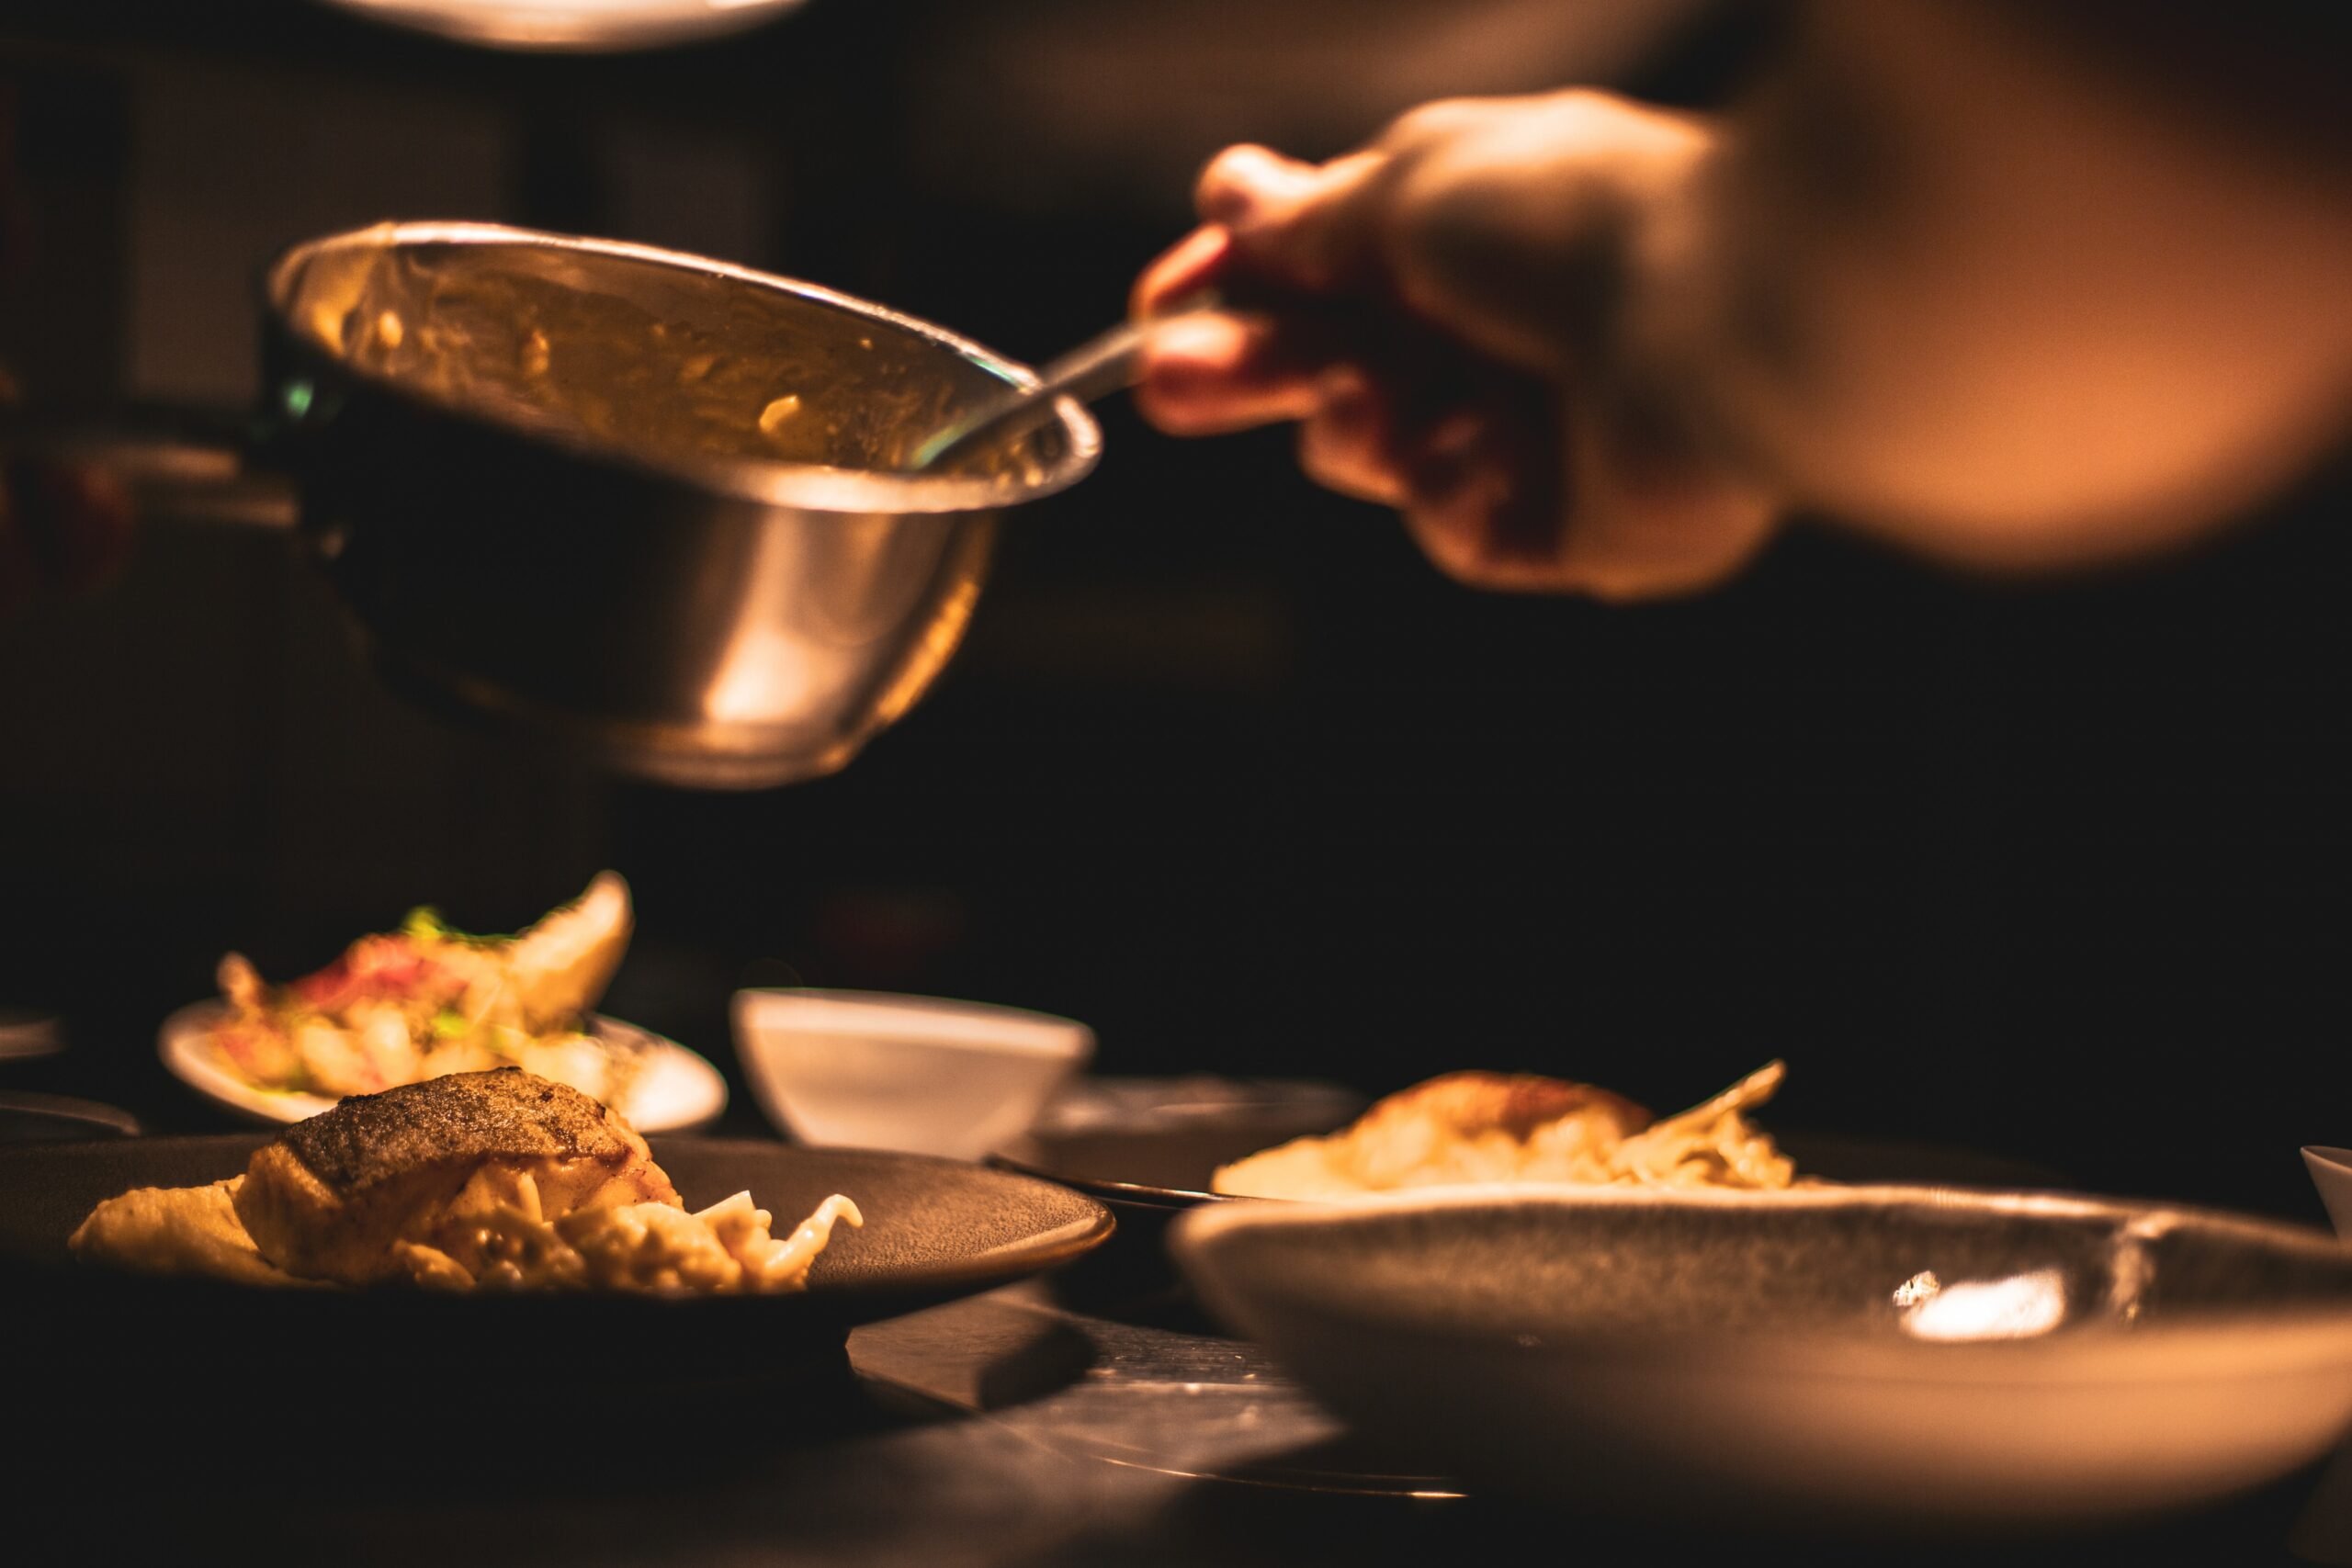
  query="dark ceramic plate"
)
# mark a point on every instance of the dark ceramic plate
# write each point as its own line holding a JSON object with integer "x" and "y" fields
{"x": 1145, "y": 1148}
{"x": 54, "y": 1118}
{"x": 934, "y": 1230}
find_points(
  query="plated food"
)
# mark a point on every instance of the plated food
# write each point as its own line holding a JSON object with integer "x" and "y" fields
{"x": 1478, "y": 1127}
{"x": 488, "y": 1180}
{"x": 400, "y": 1007}
{"x": 404, "y": 1005}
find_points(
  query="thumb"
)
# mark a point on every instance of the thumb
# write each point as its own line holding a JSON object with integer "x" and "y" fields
{"x": 1305, "y": 228}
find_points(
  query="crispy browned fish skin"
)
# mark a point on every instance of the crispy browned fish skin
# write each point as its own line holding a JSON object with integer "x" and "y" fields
{"x": 331, "y": 1195}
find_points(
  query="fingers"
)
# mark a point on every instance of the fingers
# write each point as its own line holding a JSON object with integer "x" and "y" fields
{"x": 1473, "y": 475}
{"x": 1482, "y": 481}
{"x": 1249, "y": 182}
{"x": 1348, "y": 441}
{"x": 1211, "y": 374}
{"x": 1647, "y": 526}
{"x": 1301, "y": 228}
{"x": 1485, "y": 533}
{"x": 1198, "y": 261}
{"x": 1484, "y": 501}
{"x": 1477, "y": 460}
{"x": 1467, "y": 458}
{"x": 1275, "y": 233}
{"x": 1274, "y": 229}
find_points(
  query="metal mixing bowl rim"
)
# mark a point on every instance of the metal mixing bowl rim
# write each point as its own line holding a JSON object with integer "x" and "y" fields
{"x": 806, "y": 487}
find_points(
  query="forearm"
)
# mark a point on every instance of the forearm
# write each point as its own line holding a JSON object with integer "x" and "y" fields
{"x": 1942, "y": 281}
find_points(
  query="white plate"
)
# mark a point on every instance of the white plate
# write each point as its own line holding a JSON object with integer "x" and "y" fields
{"x": 674, "y": 1089}
{"x": 1744, "y": 1358}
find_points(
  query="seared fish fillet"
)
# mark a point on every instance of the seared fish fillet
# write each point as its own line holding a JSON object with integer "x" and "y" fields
{"x": 336, "y": 1196}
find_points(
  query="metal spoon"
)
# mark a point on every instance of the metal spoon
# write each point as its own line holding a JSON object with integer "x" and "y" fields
{"x": 1095, "y": 368}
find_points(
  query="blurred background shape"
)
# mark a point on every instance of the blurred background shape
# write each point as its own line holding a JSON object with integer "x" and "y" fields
{"x": 585, "y": 25}
{"x": 1224, "y": 770}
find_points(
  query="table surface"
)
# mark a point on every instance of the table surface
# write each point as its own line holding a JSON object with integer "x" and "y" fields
{"x": 1019, "y": 1427}
{"x": 1006, "y": 1428}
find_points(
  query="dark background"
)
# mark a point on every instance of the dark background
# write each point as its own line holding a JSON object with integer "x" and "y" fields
{"x": 2058, "y": 871}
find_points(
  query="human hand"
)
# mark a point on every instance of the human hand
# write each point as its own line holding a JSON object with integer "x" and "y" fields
{"x": 1451, "y": 317}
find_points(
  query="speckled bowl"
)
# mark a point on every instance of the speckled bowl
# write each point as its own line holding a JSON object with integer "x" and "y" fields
{"x": 1866, "y": 1357}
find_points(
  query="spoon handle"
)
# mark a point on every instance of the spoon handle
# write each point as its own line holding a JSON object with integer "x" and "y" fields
{"x": 1095, "y": 368}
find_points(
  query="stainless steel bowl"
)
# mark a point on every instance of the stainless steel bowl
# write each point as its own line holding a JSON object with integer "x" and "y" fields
{"x": 638, "y": 502}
